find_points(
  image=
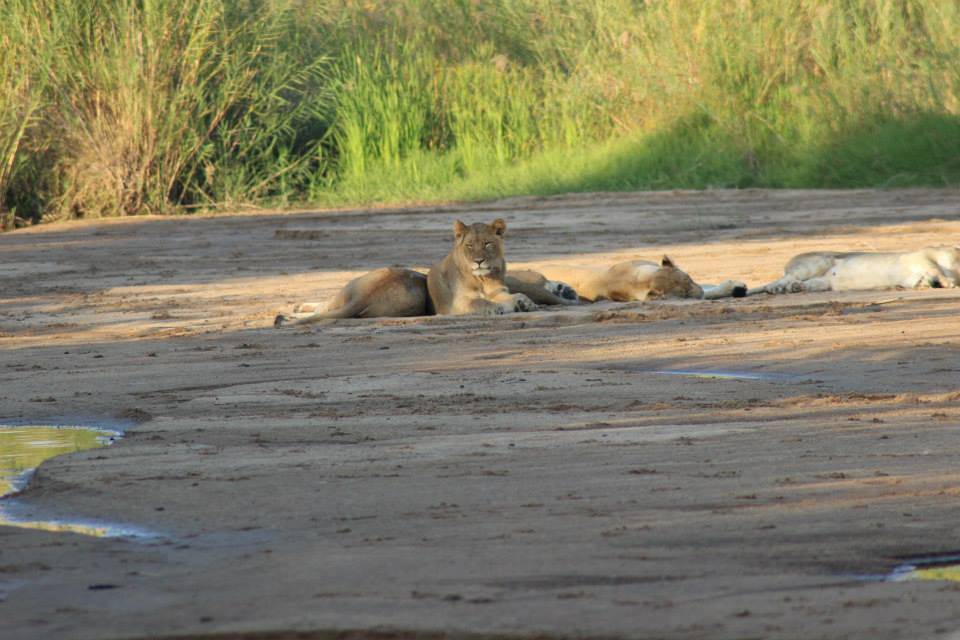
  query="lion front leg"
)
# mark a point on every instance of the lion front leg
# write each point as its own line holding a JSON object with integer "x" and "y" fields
{"x": 786, "y": 284}
{"x": 505, "y": 302}
{"x": 726, "y": 289}
{"x": 301, "y": 314}
{"x": 296, "y": 318}
{"x": 483, "y": 307}
{"x": 522, "y": 303}
{"x": 514, "y": 302}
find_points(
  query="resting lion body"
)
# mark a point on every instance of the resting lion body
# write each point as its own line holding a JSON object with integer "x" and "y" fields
{"x": 470, "y": 279}
{"x": 388, "y": 292}
{"x": 635, "y": 280}
{"x": 936, "y": 267}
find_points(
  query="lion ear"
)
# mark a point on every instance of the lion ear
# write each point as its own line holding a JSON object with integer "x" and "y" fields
{"x": 459, "y": 229}
{"x": 667, "y": 262}
{"x": 499, "y": 226}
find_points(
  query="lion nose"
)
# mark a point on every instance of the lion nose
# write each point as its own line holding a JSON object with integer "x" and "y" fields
{"x": 479, "y": 261}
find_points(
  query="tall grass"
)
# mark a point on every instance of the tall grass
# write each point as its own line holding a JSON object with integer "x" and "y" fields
{"x": 153, "y": 105}
{"x": 21, "y": 98}
{"x": 122, "y": 106}
{"x": 538, "y": 96}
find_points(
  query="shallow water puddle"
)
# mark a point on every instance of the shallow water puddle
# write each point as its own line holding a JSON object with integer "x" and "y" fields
{"x": 22, "y": 449}
{"x": 936, "y": 573}
{"x": 945, "y": 567}
{"x": 732, "y": 375}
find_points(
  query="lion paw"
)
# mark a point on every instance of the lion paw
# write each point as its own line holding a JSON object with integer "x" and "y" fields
{"x": 792, "y": 286}
{"x": 522, "y": 303}
{"x": 561, "y": 290}
{"x": 732, "y": 288}
{"x": 495, "y": 310}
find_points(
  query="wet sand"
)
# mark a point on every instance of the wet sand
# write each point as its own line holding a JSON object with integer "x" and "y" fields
{"x": 543, "y": 473}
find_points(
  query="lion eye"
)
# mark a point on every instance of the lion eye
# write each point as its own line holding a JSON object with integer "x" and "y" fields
{"x": 469, "y": 245}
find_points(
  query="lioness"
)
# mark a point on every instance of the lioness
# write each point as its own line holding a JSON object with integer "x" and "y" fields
{"x": 639, "y": 280}
{"x": 388, "y": 292}
{"x": 828, "y": 271}
{"x": 470, "y": 279}
{"x": 397, "y": 292}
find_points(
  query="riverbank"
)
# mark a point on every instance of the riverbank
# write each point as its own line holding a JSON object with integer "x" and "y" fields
{"x": 535, "y": 473}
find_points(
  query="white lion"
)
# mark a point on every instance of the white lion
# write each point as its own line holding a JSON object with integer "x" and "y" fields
{"x": 827, "y": 271}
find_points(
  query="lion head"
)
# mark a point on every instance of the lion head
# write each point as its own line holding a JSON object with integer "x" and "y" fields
{"x": 671, "y": 282}
{"x": 478, "y": 248}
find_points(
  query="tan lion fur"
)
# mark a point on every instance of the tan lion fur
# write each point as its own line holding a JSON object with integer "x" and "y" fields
{"x": 399, "y": 292}
{"x": 638, "y": 280}
{"x": 470, "y": 279}
{"x": 387, "y": 292}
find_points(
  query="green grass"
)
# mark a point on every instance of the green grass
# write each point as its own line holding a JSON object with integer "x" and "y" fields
{"x": 117, "y": 107}
{"x": 156, "y": 105}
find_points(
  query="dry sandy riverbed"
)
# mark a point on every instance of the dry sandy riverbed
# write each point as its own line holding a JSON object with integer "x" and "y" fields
{"x": 522, "y": 474}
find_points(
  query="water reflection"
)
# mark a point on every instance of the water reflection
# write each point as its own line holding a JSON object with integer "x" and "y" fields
{"x": 936, "y": 567}
{"x": 732, "y": 375}
{"x": 937, "y": 573}
{"x": 22, "y": 449}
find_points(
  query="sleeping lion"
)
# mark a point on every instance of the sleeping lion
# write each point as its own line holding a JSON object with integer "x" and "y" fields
{"x": 934, "y": 267}
{"x": 635, "y": 280}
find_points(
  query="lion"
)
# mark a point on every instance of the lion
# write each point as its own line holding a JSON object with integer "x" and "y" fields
{"x": 635, "y": 280}
{"x": 930, "y": 267}
{"x": 388, "y": 292}
{"x": 470, "y": 279}
{"x": 393, "y": 292}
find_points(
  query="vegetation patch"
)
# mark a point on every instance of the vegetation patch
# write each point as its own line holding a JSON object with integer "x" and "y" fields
{"x": 120, "y": 107}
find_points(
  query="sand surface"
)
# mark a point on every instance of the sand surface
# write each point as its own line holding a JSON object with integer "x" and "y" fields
{"x": 533, "y": 473}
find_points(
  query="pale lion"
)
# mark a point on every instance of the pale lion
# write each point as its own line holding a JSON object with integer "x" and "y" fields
{"x": 639, "y": 280}
{"x": 828, "y": 271}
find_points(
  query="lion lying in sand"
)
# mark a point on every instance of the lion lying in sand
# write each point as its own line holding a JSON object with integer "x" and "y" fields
{"x": 473, "y": 278}
{"x": 828, "y": 271}
{"x": 470, "y": 279}
{"x": 639, "y": 280}
{"x": 390, "y": 292}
